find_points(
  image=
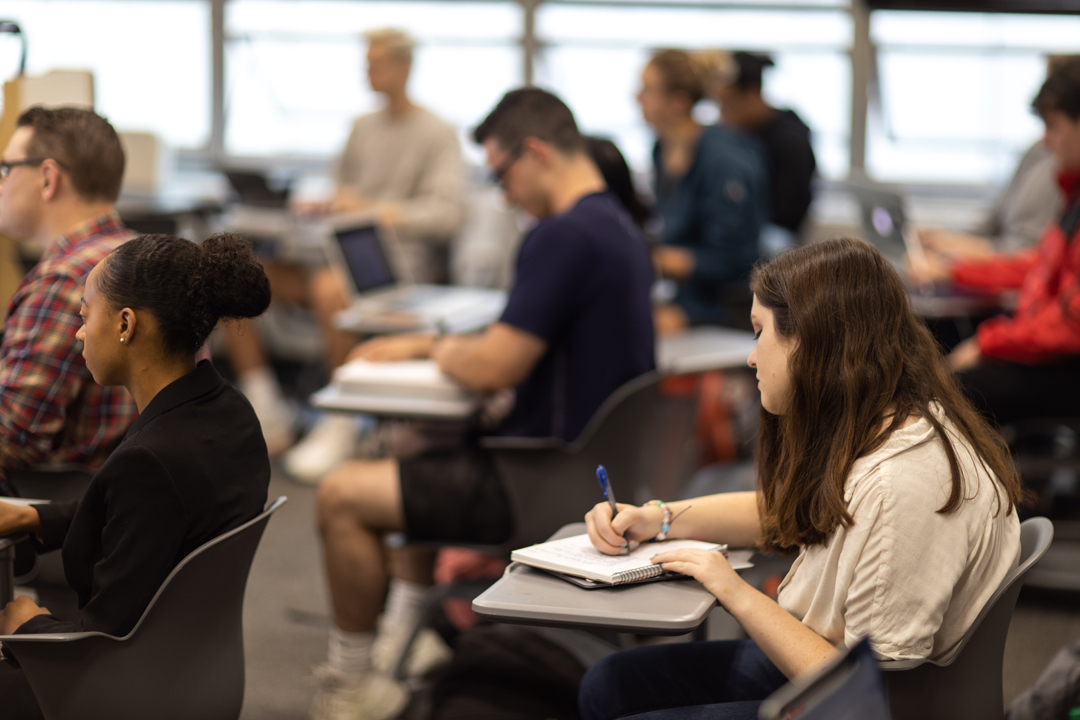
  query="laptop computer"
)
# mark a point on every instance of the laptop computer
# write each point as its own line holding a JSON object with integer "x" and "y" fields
{"x": 384, "y": 303}
{"x": 886, "y": 227}
{"x": 252, "y": 188}
{"x": 849, "y": 688}
{"x": 885, "y": 222}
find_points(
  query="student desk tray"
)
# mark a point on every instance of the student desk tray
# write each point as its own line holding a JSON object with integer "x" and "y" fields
{"x": 703, "y": 348}
{"x": 951, "y": 303}
{"x": 332, "y": 398}
{"x": 526, "y": 596}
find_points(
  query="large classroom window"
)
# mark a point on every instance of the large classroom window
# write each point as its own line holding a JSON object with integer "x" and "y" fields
{"x": 593, "y": 56}
{"x": 295, "y": 69}
{"x": 949, "y": 103}
{"x": 956, "y": 91}
{"x": 150, "y": 60}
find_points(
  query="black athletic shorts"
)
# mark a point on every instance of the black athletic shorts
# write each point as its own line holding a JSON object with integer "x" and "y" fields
{"x": 455, "y": 496}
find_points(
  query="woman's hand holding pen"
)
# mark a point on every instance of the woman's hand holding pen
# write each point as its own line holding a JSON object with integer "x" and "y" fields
{"x": 708, "y": 567}
{"x": 637, "y": 523}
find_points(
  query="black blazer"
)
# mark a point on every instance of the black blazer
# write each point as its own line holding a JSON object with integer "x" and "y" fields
{"x": 193, "y": 466}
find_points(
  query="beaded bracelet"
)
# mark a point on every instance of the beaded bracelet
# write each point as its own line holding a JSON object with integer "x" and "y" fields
{"x": 665, "y": 523}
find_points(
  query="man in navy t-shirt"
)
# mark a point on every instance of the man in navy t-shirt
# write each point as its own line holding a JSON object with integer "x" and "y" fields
{"x": 582, "y": 287}
{"x": 578, "y": 324}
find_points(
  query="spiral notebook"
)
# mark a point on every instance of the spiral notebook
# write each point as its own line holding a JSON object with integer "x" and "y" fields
{"x": 577, "y": 557}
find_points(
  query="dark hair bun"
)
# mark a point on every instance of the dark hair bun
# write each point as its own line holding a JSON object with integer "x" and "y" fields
{"x": 187, "y": 287}
{"x": 228, "y": 281}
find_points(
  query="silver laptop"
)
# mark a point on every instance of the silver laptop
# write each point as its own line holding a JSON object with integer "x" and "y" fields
{"x": 384, "y": 303}
{"x": 885, "y": 222}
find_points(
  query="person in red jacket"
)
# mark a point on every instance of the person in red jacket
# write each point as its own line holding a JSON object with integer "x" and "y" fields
{"x": 1028, "y": 364}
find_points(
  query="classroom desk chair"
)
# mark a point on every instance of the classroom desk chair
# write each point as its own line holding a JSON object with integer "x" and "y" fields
{"x": 184, "y": 659}
{"x": 551, "y": 483}
{"x": 968, "y": 685}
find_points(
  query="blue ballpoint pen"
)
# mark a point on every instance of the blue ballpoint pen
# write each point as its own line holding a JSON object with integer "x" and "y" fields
{"x": 605, "y": 485}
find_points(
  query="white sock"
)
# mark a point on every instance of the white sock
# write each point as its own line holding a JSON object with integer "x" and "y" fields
{"x": 350, "y": 653}
{"x": 259, "y": 381}
{"x": 404, "y": 602}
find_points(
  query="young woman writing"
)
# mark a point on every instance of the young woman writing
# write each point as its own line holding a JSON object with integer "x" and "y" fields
{"x": 194, "y": 464}
{"x": 897, "y": 494}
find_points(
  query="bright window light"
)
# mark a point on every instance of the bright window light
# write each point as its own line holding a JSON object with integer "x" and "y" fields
{"x": 594, "y": 56}
{"x": 151, "y": 60}
{"x": 295, "y": 70}
{"x": 955, "y": 92}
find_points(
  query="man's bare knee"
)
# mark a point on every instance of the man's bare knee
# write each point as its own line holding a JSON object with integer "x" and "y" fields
{"x": 364, "y": 493}
{"x": 328, "y": 292}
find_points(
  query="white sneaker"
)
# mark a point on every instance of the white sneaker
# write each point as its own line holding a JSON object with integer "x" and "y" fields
{"x": 428, "y": 652}
{"x": 365, "y": 697}
{"x": 330, "y": 443}
{"x": 275, "y": 415}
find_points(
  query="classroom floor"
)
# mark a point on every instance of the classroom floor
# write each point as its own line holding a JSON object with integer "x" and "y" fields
{"x": 285, "y": 616}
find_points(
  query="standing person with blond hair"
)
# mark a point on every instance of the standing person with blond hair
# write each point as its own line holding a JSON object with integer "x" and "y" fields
{"x": 711, "y": 197}
{"x": 402, "y": 168}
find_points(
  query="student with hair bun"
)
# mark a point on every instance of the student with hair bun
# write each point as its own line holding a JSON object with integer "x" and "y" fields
{"x": 192, "y": 467}
{"x": 711, "y": 198}
{"x": 896, "y": 492}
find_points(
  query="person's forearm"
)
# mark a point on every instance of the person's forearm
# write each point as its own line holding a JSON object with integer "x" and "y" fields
{"x": 18, "y": 518}
{"x": 730, "y": 518}
{"x": 794, "y": 648}
{"x": 463, "y": 359}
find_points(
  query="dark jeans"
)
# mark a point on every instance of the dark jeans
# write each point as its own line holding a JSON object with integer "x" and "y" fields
{"x": 1007, "y": 392}
{"x": 720, "y": 680}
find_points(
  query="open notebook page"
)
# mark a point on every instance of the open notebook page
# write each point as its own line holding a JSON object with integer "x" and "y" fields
{"x": 576, "y": 556}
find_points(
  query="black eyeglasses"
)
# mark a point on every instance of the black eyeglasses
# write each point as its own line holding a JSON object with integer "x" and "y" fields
{"x": 5, "y": 167}
{"x": 498, "y": 175}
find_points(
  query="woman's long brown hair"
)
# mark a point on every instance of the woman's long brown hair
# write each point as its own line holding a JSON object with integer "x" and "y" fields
{"x": 861, "y": 361}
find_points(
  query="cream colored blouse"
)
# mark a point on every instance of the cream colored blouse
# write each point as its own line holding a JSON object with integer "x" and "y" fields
{"x": 910, "y": 577}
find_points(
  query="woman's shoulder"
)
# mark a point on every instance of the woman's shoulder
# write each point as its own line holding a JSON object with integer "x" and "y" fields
{"x": 912, "y": 468}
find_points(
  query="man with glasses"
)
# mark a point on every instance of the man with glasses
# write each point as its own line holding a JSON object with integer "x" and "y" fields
{"x": 59, "y": 178}
{"x": 577, "y": 325}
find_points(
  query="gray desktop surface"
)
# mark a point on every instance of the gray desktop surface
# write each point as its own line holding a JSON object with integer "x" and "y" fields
{"x": 950, "y": 306}
{"x": 703, "y": 348}
{"x": 332, "y": 398}
{"x": 526, "y": 596}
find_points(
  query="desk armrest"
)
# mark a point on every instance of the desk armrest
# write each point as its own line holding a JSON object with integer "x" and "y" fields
{"x": 496, "y": 442}
{"x": 53, "y": 637}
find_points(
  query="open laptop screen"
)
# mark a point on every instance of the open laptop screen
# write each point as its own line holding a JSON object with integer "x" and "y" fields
{"x": 364, "y": 255}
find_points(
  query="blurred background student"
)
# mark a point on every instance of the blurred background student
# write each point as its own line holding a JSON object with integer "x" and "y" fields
{"x": 733, "y": 80}
{"x": 400, "y": 168}
{"x": 711, "y": 187}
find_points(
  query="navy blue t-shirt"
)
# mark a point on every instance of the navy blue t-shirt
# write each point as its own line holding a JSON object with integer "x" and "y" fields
{"x": 582, "y": 286}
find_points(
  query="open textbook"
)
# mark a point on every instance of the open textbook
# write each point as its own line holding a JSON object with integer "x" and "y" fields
{"x": 577, "y": 557}
{"x": 408, "y": 378}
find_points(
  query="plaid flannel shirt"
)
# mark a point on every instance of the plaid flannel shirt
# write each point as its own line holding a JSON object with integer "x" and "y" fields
{"x": 51, "y": 410}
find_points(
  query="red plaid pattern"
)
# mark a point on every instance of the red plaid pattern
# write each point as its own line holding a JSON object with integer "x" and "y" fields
{"x": 51, "y": 410}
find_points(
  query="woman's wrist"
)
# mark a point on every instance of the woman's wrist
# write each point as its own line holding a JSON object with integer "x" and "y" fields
{"x": 665, "y": 519}
{"x": 737, "y": 597}
{"x": 30, "y": 519}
